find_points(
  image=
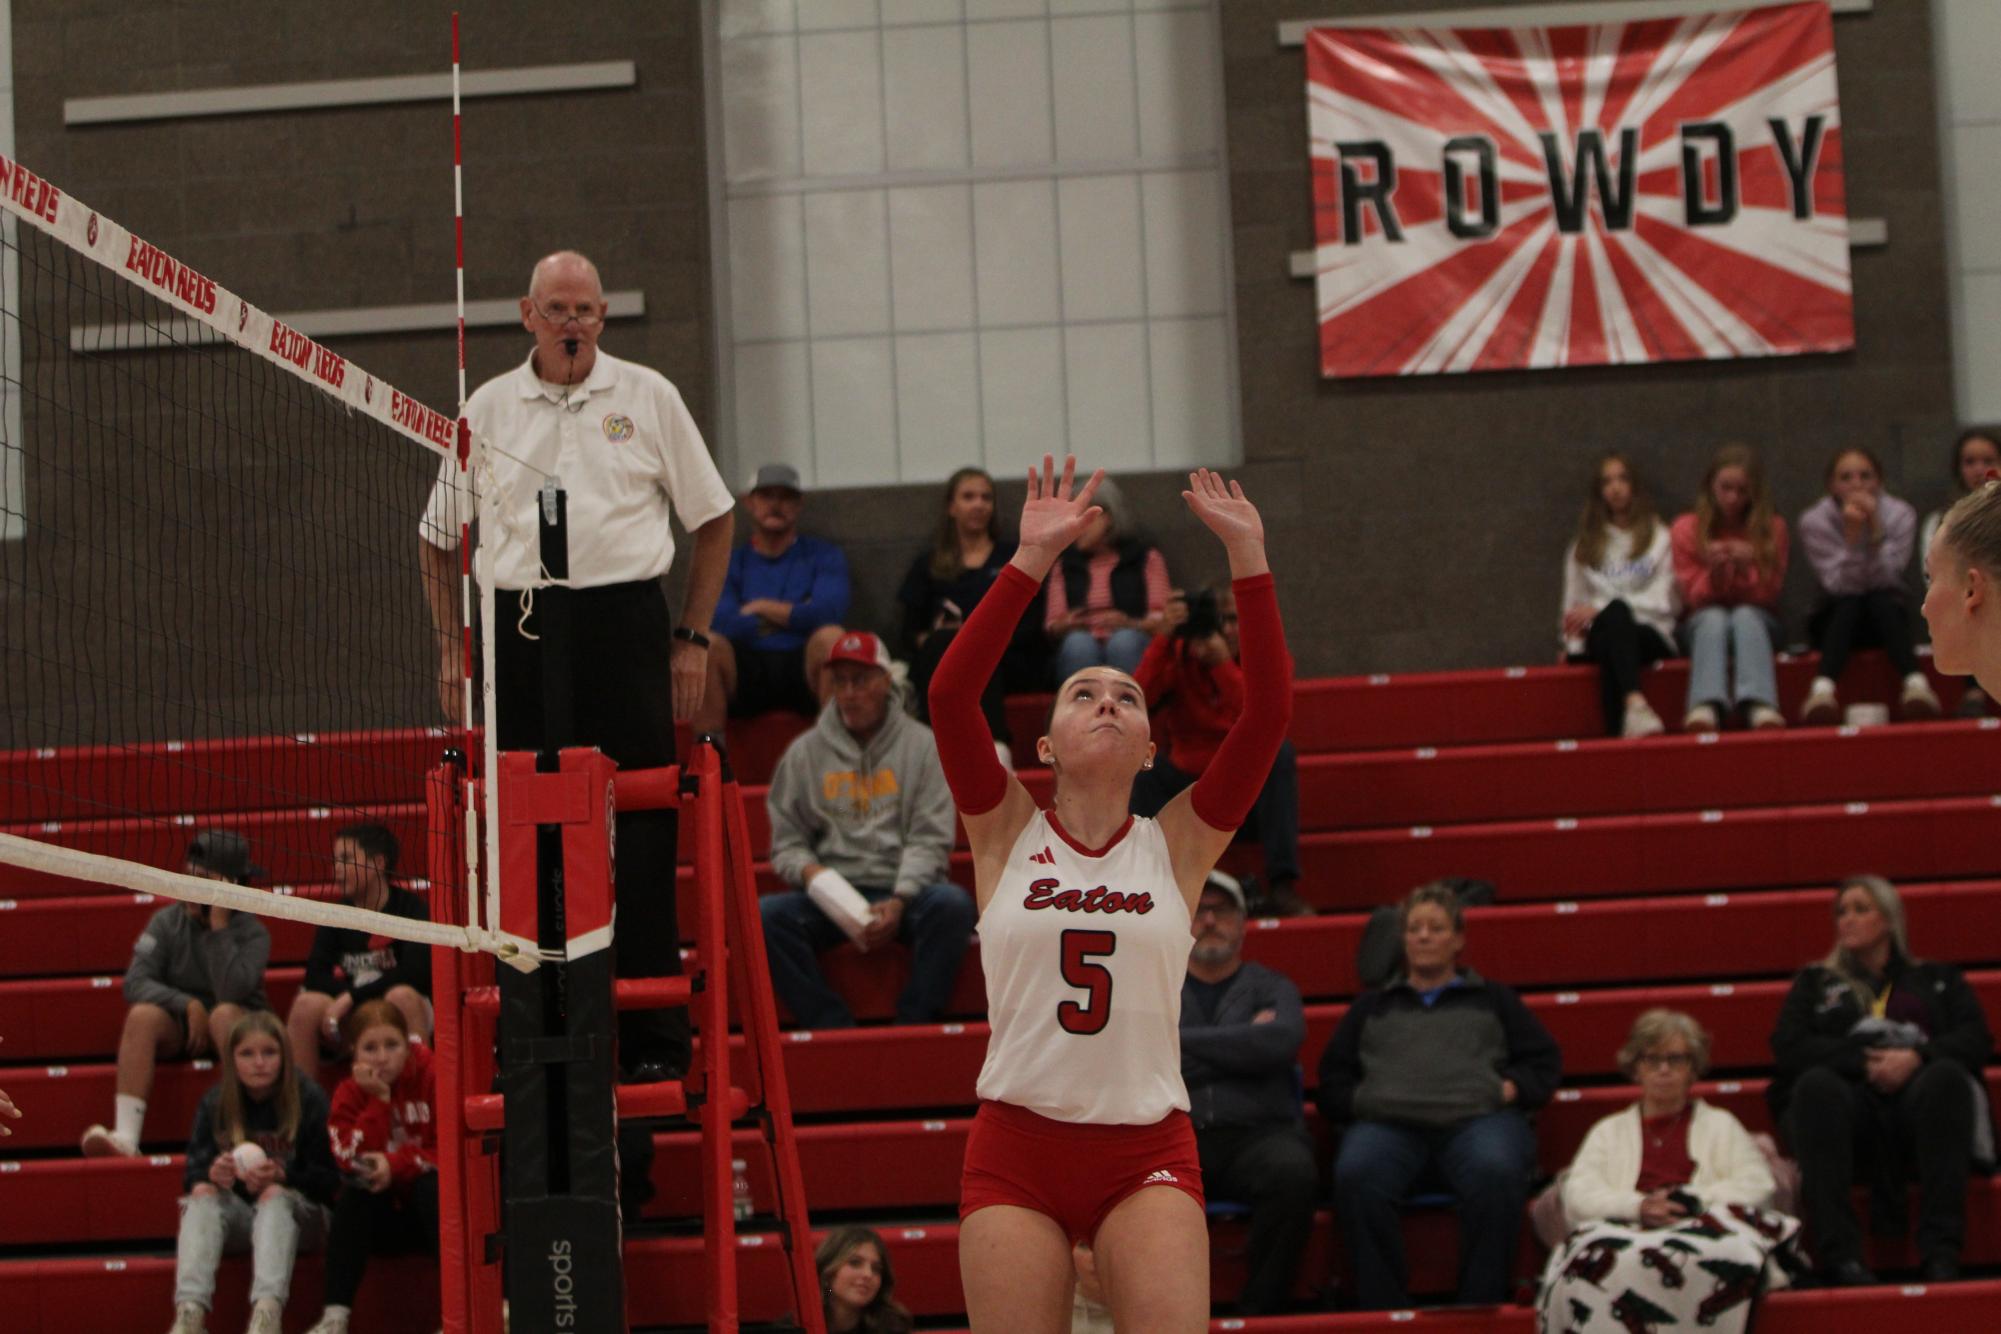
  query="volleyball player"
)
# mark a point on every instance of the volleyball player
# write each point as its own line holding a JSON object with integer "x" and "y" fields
{"x": 1962, "y": 606}
{"x": 1082, "y": 1133}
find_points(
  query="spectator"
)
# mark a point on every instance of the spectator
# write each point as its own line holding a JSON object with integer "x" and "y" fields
{"x": 859, "y": 804}
{"x": 782, "y": 603}
{"x": 945, "y": 584}
{"x": 1241, "y": 1027}
{"x": 859, "y": 1284}
{"x": 383, "y": 1129}
{"x": 1668, "y": 1188}
{"x": 259, "y": 1174}
{"x": 1878, "y": 1054}
{"x": 1730, "y": 563}
{"x": 1432, "y": 1076}
{"x": 195, "y": 972}
{"x": 1108, "y": 594}
{"x": 348, "y": 967}
{"x": 1619, "y": 595}
{"x": 1975, "y": 456}
{"x": 1195, "y": 688}
{"x": 1859, "y": 542}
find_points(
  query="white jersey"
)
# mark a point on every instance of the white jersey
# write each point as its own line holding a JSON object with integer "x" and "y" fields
{"x": 1085, "y": 956}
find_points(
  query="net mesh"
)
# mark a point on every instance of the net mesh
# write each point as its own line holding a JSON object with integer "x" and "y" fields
{"x": 212, "y": 607}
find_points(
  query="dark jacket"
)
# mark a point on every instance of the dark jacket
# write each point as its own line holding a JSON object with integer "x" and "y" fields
{"x": 354, "y": 962}
{"x": 1396, "y": 1059}
{"x": 308, "y": 1155}
{"x": 923, "y": 595}
{"x": 1240, "y": 1073}
{"x": 1128, "y": 576}
{"x": 1821, "y": 1010}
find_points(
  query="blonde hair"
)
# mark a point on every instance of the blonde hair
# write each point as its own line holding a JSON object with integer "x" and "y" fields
{"x": 1656, "y": 1027}
{"x": 1888, "y": 902}
{"x": 1971, "y": 529}
{"x": 1757, "y": 510}
{"x": 1593, "y": 524}
{"x": 229, "y": 1120}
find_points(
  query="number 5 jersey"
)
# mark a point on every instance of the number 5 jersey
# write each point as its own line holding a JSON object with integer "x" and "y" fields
{"x": 1085, "y": 953}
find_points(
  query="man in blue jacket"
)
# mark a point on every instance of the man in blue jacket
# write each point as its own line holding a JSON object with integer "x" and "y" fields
{"x": 1241, "y": 1026}
{"x": 780, "y": 613}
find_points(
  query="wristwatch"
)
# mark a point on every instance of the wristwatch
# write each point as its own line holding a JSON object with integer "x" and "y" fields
{"x": 695, "y": 637}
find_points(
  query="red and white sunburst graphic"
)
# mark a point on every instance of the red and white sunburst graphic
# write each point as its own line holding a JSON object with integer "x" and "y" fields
{"x": 1505, "y": 198}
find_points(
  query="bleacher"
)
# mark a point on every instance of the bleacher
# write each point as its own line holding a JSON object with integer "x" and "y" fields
{"x": 1687, "y": 871}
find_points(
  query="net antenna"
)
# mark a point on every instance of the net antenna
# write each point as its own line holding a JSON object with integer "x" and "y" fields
{"x": 212, "y": 606}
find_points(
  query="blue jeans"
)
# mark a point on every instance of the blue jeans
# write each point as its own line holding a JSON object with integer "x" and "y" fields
{"x": 1714, "y": 637}
{"x": 1485, "y": 1162}
{"x": 1080, "y": 649}
{"x": 937, "y": 925}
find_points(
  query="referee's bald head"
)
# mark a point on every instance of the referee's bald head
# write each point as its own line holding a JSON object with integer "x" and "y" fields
{"x": 564, "y": 266}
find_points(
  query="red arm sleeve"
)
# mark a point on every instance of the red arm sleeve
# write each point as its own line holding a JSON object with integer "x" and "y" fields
{"x": 965, "y": 746}
{"x": 1225, "y": 792}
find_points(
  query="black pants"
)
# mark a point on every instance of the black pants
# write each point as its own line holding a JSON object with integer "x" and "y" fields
{"x": 1271, "y": 1169}
{"x": 1880, "y": 618}
{"x": 1620, "y": 646}
{"x": 622, "y": 702}
{"x": 1274, "y": 816}
{"x": 365, "y": 1224}
{"x": 1836, "y": 1124}
{"x": 1017, "y": 672}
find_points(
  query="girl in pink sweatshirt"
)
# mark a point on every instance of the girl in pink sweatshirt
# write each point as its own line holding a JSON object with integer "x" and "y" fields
{"x": 1730, "y": 563}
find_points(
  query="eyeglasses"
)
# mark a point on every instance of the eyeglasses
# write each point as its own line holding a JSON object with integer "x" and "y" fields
{"x": 587, "y": 317}
{"x": 1673, "y": 1060}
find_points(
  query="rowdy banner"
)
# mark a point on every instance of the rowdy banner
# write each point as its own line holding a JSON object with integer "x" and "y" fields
{"x": 1501, "y": 198}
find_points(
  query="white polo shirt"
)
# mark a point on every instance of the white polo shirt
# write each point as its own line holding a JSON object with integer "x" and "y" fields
{"x": 627, "y": 452}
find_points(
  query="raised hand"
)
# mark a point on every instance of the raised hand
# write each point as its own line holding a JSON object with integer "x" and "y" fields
{"x": 1052, "y": 517}
{"x": 1222, "y": 508}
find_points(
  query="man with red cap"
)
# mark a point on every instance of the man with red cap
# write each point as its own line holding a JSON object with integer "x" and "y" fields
{"x": 863, "y": 824}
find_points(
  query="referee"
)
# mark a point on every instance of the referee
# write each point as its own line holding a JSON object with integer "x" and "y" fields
{"x": 627, "y": 452}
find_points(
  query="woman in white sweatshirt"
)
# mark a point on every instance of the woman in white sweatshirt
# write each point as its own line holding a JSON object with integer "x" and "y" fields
{"x": 1620, "y": 600}
{"x": 1667, "y": 1202}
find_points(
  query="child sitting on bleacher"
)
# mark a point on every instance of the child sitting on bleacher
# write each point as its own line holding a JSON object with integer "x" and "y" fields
{"x": 1859, "y": 542}
{"x": 1730, "y": 564}
{"x": 259, "y": 1177}
{"x": 1619, "y": 594}
{"x": 384, "y": 1133}
{"x": 1975, "y": 455}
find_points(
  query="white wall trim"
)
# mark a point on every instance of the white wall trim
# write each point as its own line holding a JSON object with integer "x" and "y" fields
{"x": 355, "y": 321}
{"x": 1863, "y": 234}
{"x": 198, "y": 102}
{"x": 1293, "y": 32}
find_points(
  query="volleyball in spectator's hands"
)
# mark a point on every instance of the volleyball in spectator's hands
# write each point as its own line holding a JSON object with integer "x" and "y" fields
{"x": 249, "y": 1157}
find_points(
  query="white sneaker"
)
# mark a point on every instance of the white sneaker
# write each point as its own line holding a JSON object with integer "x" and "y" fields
{"x": 100, "y": 1142}
{"x": 1919, "y": 699}
{"x": 333, "y": 1322}
{"x": 1763, "y": 717}
{"x": 1821, "y": 708}
{"x": 267, "y": 1317}
{"x": 1641, "y": 720}
{"x": 189, "y": 1318}
{"x": 1701, "y": 718}
{"x": 1005, "y": 753}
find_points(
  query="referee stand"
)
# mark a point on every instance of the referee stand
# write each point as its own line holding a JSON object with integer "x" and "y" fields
{"x": 546, "y": 1213}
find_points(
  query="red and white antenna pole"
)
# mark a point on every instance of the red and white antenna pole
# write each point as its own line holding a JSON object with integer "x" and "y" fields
{"x": 466, "y": 492}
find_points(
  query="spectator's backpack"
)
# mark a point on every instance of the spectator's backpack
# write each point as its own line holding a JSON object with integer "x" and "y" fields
{"x": 1380, "y": 955}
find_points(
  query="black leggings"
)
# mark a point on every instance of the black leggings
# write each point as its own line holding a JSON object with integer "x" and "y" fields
{"x": 1880, "y": 618}
{"x": 1620, "y": 646}
{"x": 366, "y": 1224}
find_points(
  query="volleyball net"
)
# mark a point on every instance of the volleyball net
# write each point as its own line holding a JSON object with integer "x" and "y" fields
{"x": 213, "y": 611}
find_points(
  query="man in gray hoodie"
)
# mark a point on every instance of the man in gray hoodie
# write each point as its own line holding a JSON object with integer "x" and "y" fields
{"x": 195, "y": 970}
{"x": 860, "y": 801}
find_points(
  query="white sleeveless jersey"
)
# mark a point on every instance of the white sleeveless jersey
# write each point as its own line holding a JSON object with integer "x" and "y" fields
{"x": 1085, "y": 957}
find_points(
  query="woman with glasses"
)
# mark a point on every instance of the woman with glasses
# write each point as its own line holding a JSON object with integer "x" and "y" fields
{"x": 1668, "y": 1201}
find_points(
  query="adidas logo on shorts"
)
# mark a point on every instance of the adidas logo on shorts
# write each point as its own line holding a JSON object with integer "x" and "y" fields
{"x": 1160, "y": 1178}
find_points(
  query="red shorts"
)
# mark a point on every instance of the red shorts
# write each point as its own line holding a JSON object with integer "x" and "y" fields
{"x": 1076, "y": 1174}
